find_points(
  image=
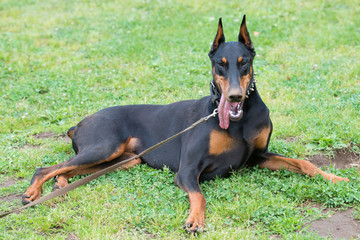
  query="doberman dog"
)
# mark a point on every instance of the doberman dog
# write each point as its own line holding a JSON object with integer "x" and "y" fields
{"x": 238, "y": 137}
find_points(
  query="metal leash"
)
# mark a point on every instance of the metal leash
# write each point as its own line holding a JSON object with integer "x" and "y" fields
{"x": 91, "y": 177}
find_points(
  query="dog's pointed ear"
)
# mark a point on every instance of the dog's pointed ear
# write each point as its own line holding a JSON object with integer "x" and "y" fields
{"x": 219, "y": 38}
{"x": 244, "y": 36}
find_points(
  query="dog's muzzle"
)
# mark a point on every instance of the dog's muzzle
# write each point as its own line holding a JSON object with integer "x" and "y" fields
{"x": 229, "y": 111}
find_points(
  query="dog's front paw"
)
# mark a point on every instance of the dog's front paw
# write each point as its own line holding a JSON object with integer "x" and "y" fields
{"x": 194, "y": 223}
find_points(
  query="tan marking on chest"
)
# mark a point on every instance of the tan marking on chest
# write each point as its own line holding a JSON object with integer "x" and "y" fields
{"x": 220, "y": 142}
{"x": 261, "y": 139}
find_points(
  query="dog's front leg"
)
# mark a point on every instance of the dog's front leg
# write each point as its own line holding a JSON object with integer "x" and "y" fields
{"x": 188, "y": 180}
{"x": 196, "y": 220}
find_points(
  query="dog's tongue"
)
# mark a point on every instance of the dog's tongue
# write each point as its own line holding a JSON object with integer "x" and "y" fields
{"x": 224, "y": 112}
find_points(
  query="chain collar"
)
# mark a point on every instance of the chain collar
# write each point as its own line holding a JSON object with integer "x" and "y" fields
{"x": 216, "y": 95}
{"x": 251, "y": 87}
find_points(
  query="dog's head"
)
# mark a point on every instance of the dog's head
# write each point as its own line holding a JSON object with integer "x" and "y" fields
{"x": 232, "y": 72}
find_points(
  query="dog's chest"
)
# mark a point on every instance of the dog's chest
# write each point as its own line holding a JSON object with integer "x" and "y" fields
{"x": 226, "y": 149}
{"x": 229, "y": 150}
{"x": 220, "y": 142}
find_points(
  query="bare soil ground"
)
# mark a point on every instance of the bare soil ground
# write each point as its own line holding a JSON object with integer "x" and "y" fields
{"x": 341, "y": 224}
{"x": 342, "y": 159}
{"x": 11, "y": 197}
{"x": 52, "y": 135}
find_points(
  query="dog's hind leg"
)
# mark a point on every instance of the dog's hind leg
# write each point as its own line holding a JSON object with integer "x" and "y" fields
{"x": 89, "y": 157}
{"x": 277, "y": 162}
{"x": 62, "y": 179}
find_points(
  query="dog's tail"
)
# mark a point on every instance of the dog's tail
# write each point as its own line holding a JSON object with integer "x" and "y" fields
{"x": 70, "y": 132}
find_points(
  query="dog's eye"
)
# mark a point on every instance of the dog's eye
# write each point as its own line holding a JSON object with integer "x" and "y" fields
{"x": 242, "y": 65}
{"x": 221, "y": 68}
{"x": 221, "y": 64}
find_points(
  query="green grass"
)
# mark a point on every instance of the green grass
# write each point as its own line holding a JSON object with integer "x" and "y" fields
{"x": 63, "y": 60}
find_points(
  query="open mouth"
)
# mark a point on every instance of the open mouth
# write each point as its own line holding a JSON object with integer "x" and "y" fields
{"x": 229, "y": 111}
{"x": 236, "y": 111}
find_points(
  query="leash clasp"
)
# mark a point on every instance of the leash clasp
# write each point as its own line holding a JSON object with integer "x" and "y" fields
{"x": 215, "y": 112}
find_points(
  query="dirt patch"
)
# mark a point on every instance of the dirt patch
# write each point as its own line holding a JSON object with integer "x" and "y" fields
{"x": 10, "y": 197}
{"x": 28, "y": 146}
{"x": 341, "y": 159}
{"x": 340, "y": 225}
{"x": 65, "y": 138}
{"x": 45, "y": 135}
{"x": 72, "y": 236}
{"x": 291, "y": 139}
{"x": 8, "y": 183}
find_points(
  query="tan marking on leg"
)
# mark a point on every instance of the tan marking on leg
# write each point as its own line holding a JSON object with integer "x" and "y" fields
{"x": 130, "y": 164}
{"x": 240, "y": 59}
{"x": 220, "y": 142}
{"x": 62, "y": 180}
{"x": 132, "y": 144}
{"x": 276, "y": 162}
{"x": 224, "y": 60}
{"x": 117, "y": 153}
{"x": 34, "y": 191}
{"x": 261, "y": 140}
{"x": 197, "y": 211}
{"x": 70, "y": 133}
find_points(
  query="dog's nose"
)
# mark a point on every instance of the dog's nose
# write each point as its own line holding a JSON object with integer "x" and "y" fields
{"x": 235, "y": 98}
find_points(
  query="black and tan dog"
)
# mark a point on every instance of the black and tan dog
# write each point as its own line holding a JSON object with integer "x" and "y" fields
{"x": 238, "y": 137}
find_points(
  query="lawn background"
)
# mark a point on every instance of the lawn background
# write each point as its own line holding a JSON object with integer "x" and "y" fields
{"x": 63, "y": 60}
